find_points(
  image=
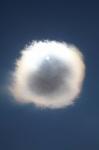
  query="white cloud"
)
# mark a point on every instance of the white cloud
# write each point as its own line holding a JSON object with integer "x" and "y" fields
{"x": 32, "y": 66}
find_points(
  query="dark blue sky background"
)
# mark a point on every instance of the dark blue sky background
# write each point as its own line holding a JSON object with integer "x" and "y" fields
{"x": 26, "y": 127}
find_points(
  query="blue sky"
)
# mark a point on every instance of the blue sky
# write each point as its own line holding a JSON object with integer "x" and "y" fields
{"x": 25, "y": 127}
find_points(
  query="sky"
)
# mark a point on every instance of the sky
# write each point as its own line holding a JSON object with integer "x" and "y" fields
{"x": 25, "y": 127}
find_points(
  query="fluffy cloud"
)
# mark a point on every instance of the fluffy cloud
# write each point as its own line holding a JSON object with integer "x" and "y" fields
{"x": 48, "y": 74}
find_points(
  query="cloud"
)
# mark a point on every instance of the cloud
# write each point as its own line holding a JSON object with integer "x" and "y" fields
{"x": 48, "y": 74}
